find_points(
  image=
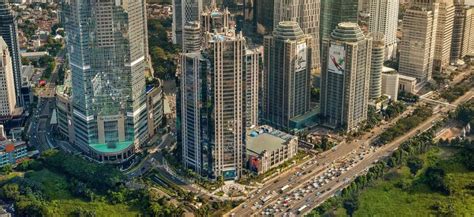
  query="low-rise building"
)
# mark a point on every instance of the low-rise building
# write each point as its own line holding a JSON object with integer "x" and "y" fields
{"x": 406, "y": 84}
{"x": 268, "y": 148}
{"x": 12, "y": 152}
{"x": 155, "y": 107}
{"x": 390, "y": 84}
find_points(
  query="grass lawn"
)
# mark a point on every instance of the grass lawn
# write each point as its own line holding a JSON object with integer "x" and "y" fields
{"x": 385, "y": 199}
{"x": 4, "y": 178}
{"x": 62, "y": 203}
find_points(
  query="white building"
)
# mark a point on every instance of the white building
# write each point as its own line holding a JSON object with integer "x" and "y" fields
{"x": 390, "y": 83}
{"x": 384, "y": 18}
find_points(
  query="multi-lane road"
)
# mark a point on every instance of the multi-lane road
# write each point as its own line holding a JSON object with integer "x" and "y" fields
{"x": 304, "y": 175}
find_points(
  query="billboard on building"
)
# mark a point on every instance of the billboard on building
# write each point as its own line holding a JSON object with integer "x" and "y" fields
{"x": 336, "y": 62}
{"x": 301, "y": 57}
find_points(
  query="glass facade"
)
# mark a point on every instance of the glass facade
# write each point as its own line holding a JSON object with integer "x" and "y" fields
{"x": 107, "y": 59}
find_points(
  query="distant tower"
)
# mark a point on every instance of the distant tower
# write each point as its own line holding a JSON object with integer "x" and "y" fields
{"x": 463, "y": 31}
{"x": 184, "y": 11}
{"x": 384, "y": 18}
{"x": 345, "y": 77}
{"x": 417, "y": 47}
{"x": 264, "y": 10}
{"x": 334, "y": 12}
{"x": 306, "y": 13}
{"x": 9, "y": 32}
{"x": 287, "y": 74}
{"x": 378, "y": 51}
{"x": 7, "y": 87}
{"x": 444, "y": 36}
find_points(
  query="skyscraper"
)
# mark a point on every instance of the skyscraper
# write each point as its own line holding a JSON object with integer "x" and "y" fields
{"x": 9, "y": 32}
{"x": 108, "y": 83}
{"x": 376, "y": 67}
{"x": 287, "y": 75}
{"x": 184, "y": 11}
{"x": 334, "y": 12}
{"x": 345, "y": 77}
{"x": 216, "y": 106}
{"x": 306, "y": 13}
{"x": 468, "y": 34}
{"x": 444, "y": 36}
{"x": 384, "y": 18}
{"x": 417, "y": 47}
{"x": 463, "y": 31}
{"x": 460, "y": 10}
{"x": 7, "y": 87}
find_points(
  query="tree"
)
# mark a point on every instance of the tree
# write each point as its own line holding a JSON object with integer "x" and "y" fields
{"x": 10, "y": 192}
{"x": 415, "y": 164}
{"x": 7, "y": 169}
{"x": 434, "y": 178}
{"x": 351, "y": 205}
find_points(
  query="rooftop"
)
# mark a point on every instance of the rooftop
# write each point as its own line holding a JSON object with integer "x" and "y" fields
{"x": 388, "y": 70}
{"x": 348, "y": 31}
{"x": 404, "y": 77}
{"x": 265, "y": 138}
{"x": 107, "y": 148}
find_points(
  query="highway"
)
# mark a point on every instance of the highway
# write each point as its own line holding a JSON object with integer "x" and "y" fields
{"x": 318, "y": 164}
{"x": 254, "y": 205}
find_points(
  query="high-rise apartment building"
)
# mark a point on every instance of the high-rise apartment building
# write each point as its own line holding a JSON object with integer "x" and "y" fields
{"x": 334, "y": 12}
{"x": 376, "y": 68}
{"x": 253, "y": 69}
{"x": 184, "y": 11}
{"x": 444, "y": 36}
{"x": 108, "y": 80}
{"x": 287, "y": 75}
{"x": 9, "y": 33}
{"x": 7, "y": 87}
{"x": 306, "y": 13}
{"x": 219, "y": 102}
{"x": 384, "y": 18}
{"x": 417, "y": 47}
{"x": 345, "y": 77}
{"x": 215, "y": 19}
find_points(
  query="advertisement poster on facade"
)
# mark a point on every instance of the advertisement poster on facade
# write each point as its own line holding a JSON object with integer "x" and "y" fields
{"x": 336, "y": 61}
{"x": 301, "y": 57}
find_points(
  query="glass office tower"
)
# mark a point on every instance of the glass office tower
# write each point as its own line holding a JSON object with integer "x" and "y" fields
{"x": 107, "y": 59}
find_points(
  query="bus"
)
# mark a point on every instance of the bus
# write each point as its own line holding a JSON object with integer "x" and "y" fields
{"x": 300, "y": 210}
{"x": 265, "y": 199}
{"x": 284, "y": 188}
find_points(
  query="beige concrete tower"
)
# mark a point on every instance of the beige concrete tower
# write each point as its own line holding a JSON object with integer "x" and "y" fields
{"x": 417, "y": 47}
{"x": 444, "y": 36}
{"x": 7, "y": 93}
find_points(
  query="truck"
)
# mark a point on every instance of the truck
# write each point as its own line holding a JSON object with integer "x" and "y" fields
{"x": 300, "y": 210}
{"x": 284, "y": 188}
